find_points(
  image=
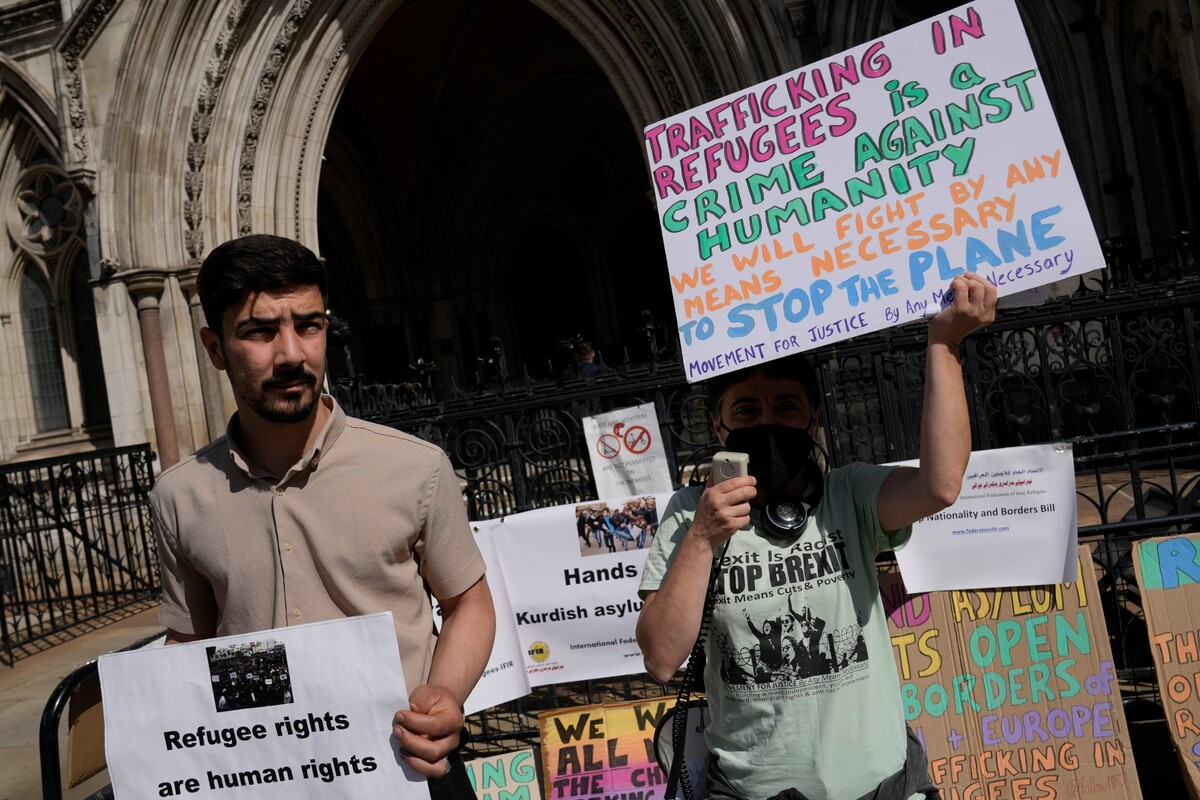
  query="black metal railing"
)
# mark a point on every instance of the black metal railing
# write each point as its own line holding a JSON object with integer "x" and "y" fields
{"x": 75, "y": 542}
{"x": 1120, "y": 352}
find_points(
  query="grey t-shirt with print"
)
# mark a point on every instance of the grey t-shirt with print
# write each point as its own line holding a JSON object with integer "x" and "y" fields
{"x": 800, "y": 675}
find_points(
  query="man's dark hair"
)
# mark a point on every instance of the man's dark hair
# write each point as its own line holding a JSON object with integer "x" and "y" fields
{"x": 254, "y": 263}
{"x": 795, "y": 368}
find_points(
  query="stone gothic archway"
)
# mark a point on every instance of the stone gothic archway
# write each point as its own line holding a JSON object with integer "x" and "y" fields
{"x": 227, "y": 133}
{"x": 184, "y": 124}
{"x": 221, "y": 120}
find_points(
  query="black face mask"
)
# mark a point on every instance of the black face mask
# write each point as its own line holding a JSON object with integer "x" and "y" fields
{"x": 778, "y": 454}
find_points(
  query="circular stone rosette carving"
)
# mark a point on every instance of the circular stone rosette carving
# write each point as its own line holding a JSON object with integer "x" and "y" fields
{"x": 47, "y": 211}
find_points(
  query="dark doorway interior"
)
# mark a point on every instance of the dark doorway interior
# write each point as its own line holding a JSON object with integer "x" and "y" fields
{"x": 482, "y": 179}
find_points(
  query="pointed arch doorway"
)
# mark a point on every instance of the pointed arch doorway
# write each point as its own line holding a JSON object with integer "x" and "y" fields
{"x": 481, "y": 179}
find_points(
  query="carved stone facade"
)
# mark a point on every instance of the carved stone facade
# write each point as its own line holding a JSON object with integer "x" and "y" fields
{"x": 452, "y": 161}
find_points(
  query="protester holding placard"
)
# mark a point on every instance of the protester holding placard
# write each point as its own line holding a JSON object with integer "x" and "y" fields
{"x": 820, "y": 717}
{"x": 301, "y": 513}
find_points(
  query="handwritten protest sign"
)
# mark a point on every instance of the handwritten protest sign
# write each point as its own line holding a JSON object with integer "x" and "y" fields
{"x": 841, "y": 198}
{"x": 1014, "y": 524}
{"x": 604, "y": 750}
{"x": 1013, "y": 691}
{"x": 1168, "y": 571}
{"x": 508, "y": 776}
{"x": 299, "y": 712}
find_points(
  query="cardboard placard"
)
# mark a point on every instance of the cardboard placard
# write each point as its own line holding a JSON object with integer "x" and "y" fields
{"x": 1013, "y": 691}
{"x": 602, "y": 750}
{"x": 1168, "y": 570}
{"x": 508, "y": 776}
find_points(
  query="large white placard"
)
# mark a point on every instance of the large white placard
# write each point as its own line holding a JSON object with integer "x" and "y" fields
{"x": 300, "y": 712}
{"x": 573, "y": 575}
{"x": 1014, "y": 524}
{"x": 626, "y": 451}
{"x": 841, "y": 198}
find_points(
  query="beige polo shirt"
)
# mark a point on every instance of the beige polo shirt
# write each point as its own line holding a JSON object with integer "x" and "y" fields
{"x": 355, "y": 527}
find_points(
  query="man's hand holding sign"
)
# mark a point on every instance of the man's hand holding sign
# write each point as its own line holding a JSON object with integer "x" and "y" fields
{"x": 274, "y": 525}
{"x": 912, "y": 493}
{"x": 297, "y": 712}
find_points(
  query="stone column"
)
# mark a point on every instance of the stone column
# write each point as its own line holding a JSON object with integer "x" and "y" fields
{"x": 210, "y": 377}
{"x": 146, "y": 289}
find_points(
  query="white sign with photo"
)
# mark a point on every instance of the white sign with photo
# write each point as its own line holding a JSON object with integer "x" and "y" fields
{"x": 573, "y": 573}
{"x": 299, "y": 712}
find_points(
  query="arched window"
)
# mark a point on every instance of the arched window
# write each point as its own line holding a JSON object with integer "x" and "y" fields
{"x": 87, "y": 346}
{"x": 42, "y": 353}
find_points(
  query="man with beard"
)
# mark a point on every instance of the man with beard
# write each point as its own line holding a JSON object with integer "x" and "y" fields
{"x": 301, "y": 513}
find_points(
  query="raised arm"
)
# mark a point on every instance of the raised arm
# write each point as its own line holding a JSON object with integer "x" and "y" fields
{"x": 909, "y": 493}
{"x": 750, "y": 622}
